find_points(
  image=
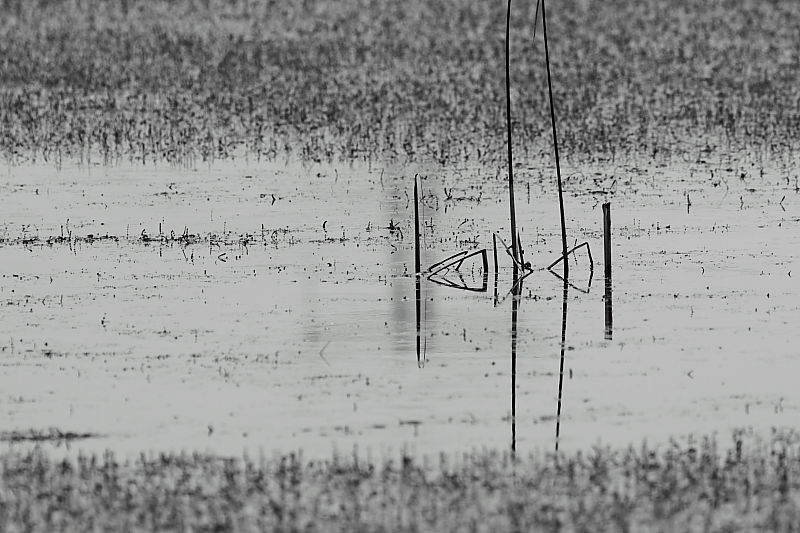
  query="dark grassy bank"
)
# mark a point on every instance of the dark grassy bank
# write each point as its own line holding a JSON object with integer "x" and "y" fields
{"x": 744, "y": 485}
{"x": 198, "y": 79}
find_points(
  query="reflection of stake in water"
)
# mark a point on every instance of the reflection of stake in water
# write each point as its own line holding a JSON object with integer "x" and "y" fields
{"x": 609, "y": 327}
{"x": 561, "y": 364}
{"x": 607, "y": 258}
{"x": 516, "y": 294}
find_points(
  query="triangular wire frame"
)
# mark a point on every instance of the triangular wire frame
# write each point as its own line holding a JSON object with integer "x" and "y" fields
{"x": 572, "y": 251}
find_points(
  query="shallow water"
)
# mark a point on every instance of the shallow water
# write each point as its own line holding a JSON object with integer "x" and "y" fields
{"x": 288, "y": 318}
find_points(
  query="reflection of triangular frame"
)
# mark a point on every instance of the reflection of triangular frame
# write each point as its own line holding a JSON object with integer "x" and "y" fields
{"x": 516, "y": 288}
{"x": 445, "y": 282}
{"x": 584, "y": 291}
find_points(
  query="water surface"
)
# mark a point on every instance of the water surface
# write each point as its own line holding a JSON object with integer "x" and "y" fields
{"x": 286, "y": 315}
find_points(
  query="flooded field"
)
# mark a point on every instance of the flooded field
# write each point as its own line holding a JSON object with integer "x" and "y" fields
{"x": 254, "y": 305}
{"x": 233, "y": 230}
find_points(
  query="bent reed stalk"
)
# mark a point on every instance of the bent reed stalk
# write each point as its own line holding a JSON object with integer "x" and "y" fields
{"x": 512, "y": 208}
{"x": 555, "y": 144}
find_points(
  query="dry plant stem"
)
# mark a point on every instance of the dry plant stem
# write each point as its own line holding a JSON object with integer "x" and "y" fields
{"x": 494, "y": 246}
{"x": 607, "y": 238}
{"x": 508, "y": 128}
{"x": 607, "y": 297}
{"x": 417, "y": 268}
{"x": 555, "y": 143}
{"x": 417, "y": 276}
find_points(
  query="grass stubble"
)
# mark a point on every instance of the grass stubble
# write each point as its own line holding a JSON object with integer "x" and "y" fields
{"x": 183, "y": 81}
{"x": 697, "y": 484}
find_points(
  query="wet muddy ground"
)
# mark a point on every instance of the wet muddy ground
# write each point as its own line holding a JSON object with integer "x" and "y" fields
{"x": 256, "y": 305}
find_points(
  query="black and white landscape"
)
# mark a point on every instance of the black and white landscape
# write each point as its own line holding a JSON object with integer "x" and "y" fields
{"x": 298, "y": 266}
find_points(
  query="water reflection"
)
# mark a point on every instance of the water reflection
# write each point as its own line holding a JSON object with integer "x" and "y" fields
{"x": 460, "y": 283}
{"x": 561, "y": 365}
{"x": 420, "y": 356}
{"x": 579, "y": 289}
{"x": 516, "y": 292}
{"x": 609, "y": 312}
{"x": 495, "y": 286}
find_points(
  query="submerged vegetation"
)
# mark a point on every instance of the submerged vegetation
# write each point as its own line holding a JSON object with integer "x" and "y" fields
{"x": 187, "y": 80}
{"x": 694, "y": 485}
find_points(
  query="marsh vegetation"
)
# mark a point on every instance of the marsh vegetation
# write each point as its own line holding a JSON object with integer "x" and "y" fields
{"x": 189, "y": 80}
{"x": 741, "y": 484}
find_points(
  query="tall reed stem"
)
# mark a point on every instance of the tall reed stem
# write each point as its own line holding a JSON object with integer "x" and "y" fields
{"x": 607, "y": 238}
{"x": 555, "y": 144}
{"x": 416, "y": 230}
{"x": 417, "y": 269}
{"x": 508, "y": 127}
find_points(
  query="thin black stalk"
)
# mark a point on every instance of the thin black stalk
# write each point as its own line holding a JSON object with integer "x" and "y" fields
{"x": 417, "y": 274}
{"x": 508, "y": 127}
{"x": 607, "y": 238}
{"x": 494, "y": 246}
{"x": 417, "y": 268}
{"x": 607, "y": 297}
{"x": 555, "y": 144}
